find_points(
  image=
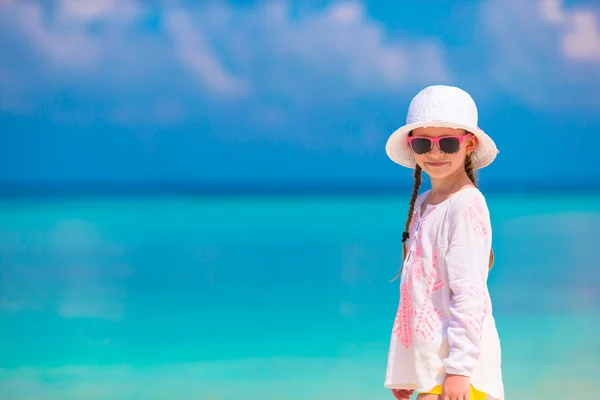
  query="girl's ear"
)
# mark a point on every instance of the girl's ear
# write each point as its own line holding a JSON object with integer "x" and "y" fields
{"x": 472, "y": 144}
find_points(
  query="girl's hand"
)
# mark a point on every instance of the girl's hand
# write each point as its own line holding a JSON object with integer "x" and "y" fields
{"x": 402, "y": 394}
{"x": 456, "y": 387}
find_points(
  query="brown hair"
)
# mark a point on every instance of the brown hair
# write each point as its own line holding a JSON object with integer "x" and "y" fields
{"x": 413, "y": 199}
{"x": 471, "y": 175}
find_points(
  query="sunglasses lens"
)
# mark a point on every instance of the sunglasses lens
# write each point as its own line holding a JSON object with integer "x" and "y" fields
{"x": 449, "y": 145}
{"x": 421, "y": 145}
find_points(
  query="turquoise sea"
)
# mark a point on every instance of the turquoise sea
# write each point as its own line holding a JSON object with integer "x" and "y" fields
{"x": 273, "y": 297}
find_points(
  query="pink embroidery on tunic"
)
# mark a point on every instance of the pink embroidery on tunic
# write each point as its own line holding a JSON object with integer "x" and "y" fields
{"x": 476, "y": 321}
{"x": 475, "y": 215}
{"x": 402, "y": 325}
{"x": 416, "y": 269}
{"x": 428, "y": 317}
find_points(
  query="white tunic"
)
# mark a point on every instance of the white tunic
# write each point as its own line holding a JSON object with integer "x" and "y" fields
{"x": 444, "y": 322}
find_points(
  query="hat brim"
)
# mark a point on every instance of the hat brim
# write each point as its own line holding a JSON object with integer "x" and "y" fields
{"x": 399, "y": 151}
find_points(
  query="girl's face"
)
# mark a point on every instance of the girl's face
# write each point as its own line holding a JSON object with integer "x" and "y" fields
{"x": 441, "y": 152}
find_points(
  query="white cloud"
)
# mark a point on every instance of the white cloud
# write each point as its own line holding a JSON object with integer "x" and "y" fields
{"x": 62, "y": 34}
{"x": 95, "y": 10}
{"x": 579, "y": 29}
{"x": 581, "y": 41}
{"x": 552, "y": 11}
{"x": 195, "y": 53}
{"x": 544, "y": 52}
{"x": 89, "y": 53}
{"x": 271, "y": 58}
{"x": 339, "y": 46}
{"x": 281, "y": 51}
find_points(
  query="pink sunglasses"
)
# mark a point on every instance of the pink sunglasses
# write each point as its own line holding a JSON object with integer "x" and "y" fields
{"x": 446, "y": 144}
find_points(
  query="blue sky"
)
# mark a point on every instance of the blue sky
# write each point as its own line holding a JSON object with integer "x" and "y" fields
{"x": 280, "y": 91}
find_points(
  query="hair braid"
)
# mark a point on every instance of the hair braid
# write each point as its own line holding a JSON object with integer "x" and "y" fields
{"x": 469, "y": 170}
{"x": 411, "y": 210}
{"x": 471, "y": 175}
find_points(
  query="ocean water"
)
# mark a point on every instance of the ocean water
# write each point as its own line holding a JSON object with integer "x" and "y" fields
{"x": 271, "y": 297}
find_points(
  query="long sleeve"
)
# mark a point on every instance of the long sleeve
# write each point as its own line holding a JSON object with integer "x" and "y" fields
{"x": 467, "y": 262}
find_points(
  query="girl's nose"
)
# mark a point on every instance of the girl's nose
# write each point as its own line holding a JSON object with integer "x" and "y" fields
{"x": 435, "y": 150}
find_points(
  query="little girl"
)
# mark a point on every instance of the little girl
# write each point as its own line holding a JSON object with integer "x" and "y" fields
{"x": 444, "y": 342}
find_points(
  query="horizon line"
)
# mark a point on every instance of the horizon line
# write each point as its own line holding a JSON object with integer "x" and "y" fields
{"x": 199, "y": 188}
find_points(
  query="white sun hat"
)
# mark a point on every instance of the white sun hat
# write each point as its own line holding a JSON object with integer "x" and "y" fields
{"x": 441, "y": 106}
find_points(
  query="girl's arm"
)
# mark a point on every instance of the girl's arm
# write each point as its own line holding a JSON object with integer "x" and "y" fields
{"x": 467, "y": 261}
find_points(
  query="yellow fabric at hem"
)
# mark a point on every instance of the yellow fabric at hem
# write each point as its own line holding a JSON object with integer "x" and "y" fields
{"x": 474, "y": 395}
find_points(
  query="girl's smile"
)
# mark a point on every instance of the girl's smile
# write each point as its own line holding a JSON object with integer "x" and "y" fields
{"x": 436, "y": 164}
